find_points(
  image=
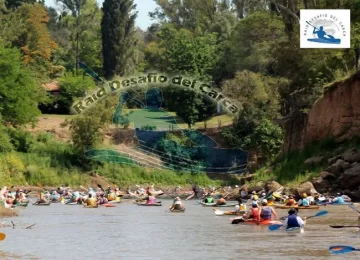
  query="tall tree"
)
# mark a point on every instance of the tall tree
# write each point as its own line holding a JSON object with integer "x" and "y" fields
{"x": 118, "y": 35}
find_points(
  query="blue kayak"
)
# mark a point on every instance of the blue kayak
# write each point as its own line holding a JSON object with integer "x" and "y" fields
{"x": 328, "y": 41}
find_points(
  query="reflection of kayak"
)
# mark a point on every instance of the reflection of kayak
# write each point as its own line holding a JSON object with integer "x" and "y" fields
{"x": 294, "y": 230}
{"x": 329, "y": 41}
{"x": 145, "y": 204}
{"x": 214, "y": 204}
{"x": 240, "y": 220}
{"x": 41, "y": 204}
{"x": 277, "y": 206}
{"x": 86, "y": 206}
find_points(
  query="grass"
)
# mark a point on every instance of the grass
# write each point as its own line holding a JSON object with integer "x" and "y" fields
{"x": 290, "y": 170}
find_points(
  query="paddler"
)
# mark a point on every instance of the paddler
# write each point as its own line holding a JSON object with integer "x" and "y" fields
{"x": 266, "y": 211}
{"x": 102, "y": 200}
{"x": 150, "y": 199}
{"x": 293, "y": 220}
{"x": 254, "y": 212}
{"x": 240, "y": 207}
{"x": 221, "y": 200}
{"x": 177, "y": 205}
{"x": 254, "y": 197}
{"x": 338, "y": 199}
{"x": 90, "y": 201}
{"x": 290, "y": 201}
{"x": 208, "y": 199}
{"x": 304, "y": 202}
{"x": 270, "y": 200}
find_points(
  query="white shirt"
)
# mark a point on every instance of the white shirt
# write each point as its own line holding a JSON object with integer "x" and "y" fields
{"x": 299, "y": 220}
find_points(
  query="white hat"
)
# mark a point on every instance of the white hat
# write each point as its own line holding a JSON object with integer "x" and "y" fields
{"x": 264, "y": 201}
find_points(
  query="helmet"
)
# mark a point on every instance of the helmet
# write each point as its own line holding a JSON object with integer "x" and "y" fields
{"x": 254, "y": 204}
{"x": 264, "y": 201}
{"x": 304, "y": 195}
{"x": 254, "y": 192}
{"x": 291, "y": 211}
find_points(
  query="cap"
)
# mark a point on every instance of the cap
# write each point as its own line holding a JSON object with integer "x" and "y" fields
{"x": 264, "y": 201}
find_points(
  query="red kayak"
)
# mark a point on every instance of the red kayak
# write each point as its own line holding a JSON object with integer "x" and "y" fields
{"x": 108, "y": 205}
{"x": 241, "y": 220}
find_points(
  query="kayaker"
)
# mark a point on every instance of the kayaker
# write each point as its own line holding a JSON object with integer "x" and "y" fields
{"x": 254, "y": 196}
{"x": 177, "y": 205}
{"x": 266, "y": 211}
{"x": 90, "y": 201}
{"x": 240, "y": 207}
{"x": 221, "y": 200}
{"x": 270, "y": 200}
{"x": 102, "y": 200}
{"x": 254, "y": 212}
{"x": 293, "y": 220}
{"x": 304, "y": 201}
{"x": 290, "y": 201}
{"x": 208, "y": 198}
{"x": 150, "y": 199}
{"x": 339, "y": 199}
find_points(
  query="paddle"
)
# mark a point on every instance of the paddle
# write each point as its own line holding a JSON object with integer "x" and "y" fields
{"x": 2, "y": 236}
{"x": 337, "y": 250}
{"x": 353, "y": 207}
{"x": 277, "y": 226}
{"x": 330, "y": 36}
{"x": 341, "y": 226}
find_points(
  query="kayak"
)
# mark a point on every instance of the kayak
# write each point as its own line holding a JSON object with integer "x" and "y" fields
{"x": 41, "y": 204}
{"x": 329, "y": 41}
{"x": 20, "y": 204}
{"x": 227, "y": 213}
{"x": 108, "y": 205}
{"x": 145, "y": 204}
{"x": 72, "y": 203}
{"x": 178, "y": 210}
{"x": 278, "y": 206}
{"x": 214, "y": 204}
{"x": 91, "y": 207}
{"x": 294, "y": 230}
{"x": 114, "y": 201}
{"x": 337, "y": 203}
{"x": 241, "y": 220}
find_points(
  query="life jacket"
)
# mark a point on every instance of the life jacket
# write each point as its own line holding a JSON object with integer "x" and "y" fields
{"x": 291, "y": 202}
{"x": 242, "y": 207}
{"x": 340, "y": 199}
{"x": 292, "y": 221}
{"x": 266, "y": 212}
{"x": 151, "y": 200}
{"x": 305, "y": 202}
{"x": 255, "y": 212}
{"x": 209, "y": 200}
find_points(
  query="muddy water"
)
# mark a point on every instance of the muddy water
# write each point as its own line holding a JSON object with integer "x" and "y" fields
{"x": 129, "y": 231}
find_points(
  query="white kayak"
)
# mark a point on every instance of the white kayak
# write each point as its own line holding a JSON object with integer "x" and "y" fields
{"x": 294, "y": 230}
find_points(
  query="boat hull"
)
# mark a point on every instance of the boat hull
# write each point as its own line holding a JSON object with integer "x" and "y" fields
{"x": 277, "y": 206}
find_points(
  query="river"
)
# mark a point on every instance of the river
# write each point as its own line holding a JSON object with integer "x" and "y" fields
{"x": 132, "y": 232}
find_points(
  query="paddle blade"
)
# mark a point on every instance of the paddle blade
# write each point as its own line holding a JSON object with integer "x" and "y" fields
{"x": 275, "y": 227}
{"x": 2, "y": 236}
{"x": 320, "y": 213}
{"x": 337, "y": 250}
{"x": 219, "y": 213}
{"x": 341, "y": 226}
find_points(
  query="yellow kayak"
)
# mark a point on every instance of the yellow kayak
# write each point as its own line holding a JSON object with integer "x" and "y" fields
{"x": 278, "y": 206}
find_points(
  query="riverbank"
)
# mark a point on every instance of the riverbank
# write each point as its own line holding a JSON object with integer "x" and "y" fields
{"x": 8, "y": 213}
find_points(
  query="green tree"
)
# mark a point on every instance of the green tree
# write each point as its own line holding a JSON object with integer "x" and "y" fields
{"x": 117, "y": 28}
{"x": 5, "y": 140}
{"x": 19, "y": 93}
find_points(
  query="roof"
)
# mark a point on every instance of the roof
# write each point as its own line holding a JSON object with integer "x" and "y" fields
{"x": 52, "y": 86}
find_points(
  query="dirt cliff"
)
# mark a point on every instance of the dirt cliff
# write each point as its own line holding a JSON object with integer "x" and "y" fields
{"x": 336, "y": 115}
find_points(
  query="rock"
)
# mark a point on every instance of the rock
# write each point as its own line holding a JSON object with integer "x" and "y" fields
{"x": 350, "y": 179}
{"x": 304, "y": 187}
{"x": 272, "y": 186}
{"x": 316, "y": 160}
{"x": 351, "y": 155}
{"x": 327, "y": 176}
{"x": 334, "y": 159}
{"x": 338, "y": 167}
{"x": 354, "y": 195}
{"x": 321, "y": 185}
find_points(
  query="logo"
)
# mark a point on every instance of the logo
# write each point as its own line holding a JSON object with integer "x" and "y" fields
{"x": 323, "y": 28}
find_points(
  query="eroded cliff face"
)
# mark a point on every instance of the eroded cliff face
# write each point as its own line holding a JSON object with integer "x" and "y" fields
{"x": 336, "y": 115}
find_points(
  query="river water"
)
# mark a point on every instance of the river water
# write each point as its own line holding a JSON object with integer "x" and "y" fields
{"x": 132, "y": 232}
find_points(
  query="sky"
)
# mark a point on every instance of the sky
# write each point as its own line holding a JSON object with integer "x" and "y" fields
{"x": 143, "y": 7}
